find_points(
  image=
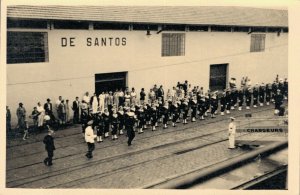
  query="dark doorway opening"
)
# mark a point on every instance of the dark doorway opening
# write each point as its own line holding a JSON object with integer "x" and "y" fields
{"x": 110, "y": 81}
{"x": 218, "y": 77}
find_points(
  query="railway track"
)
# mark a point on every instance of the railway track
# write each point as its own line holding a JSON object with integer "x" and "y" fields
{"x": 23, "y": 182}
{"x": 157, "y": 133}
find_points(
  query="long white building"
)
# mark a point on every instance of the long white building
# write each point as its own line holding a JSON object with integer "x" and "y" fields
{"x": 68, "y": 50}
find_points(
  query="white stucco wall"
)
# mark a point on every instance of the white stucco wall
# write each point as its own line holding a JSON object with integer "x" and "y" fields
{"x": 70, "y": 71}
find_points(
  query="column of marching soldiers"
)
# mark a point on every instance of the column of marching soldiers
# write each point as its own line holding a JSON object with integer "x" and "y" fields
{"x": 181, "y": 105}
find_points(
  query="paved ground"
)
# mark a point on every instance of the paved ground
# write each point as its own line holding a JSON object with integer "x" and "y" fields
{"x": 153, "y": 158}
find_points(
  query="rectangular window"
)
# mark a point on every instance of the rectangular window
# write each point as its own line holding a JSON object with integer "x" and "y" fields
{"x": 257, "y": 42}
{"x": 220, "y": 28}
{"x": 27, "y": 47}
{"x": 240, "y": 29}
{"x": 173, "y": 44}
{"x": 35, "y": 24}
{"x": 111, "y": 26}
{"x": 173, "y": 27}
{"x": 198, "y": 28}
{"x": 144, "y": 27}
{"x": 75, "y": 25}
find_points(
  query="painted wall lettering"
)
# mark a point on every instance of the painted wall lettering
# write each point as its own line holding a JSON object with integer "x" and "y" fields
{"x": 65, "y": 42}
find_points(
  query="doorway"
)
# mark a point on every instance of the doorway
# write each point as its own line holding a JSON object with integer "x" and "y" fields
{"x": 110, "y": 81}
{"x": 218, "y": 77}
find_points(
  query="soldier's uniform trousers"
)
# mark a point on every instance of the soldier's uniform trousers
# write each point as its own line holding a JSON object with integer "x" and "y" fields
{"x": 175, "y": 117}
{"x": 194, "y": 112}
{"x": 248, "y": 101}
{"x": 100, "y": 130}
{"x": 130, "y": 134}
{"x": 268, "y": 96}
{"x": 114, "y": 129}
{"x": 165, "y": 118}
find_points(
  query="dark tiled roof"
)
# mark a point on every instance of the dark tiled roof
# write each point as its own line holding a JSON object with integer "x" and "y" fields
{"x": 206, "y": 15}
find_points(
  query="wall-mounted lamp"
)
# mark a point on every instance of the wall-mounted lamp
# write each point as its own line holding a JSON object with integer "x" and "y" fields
{"x": 159, "y": 31}
{"x": 148, "y": 33}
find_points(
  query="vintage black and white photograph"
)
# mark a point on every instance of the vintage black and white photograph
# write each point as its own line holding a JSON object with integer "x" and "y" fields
{"x": 147, "y": 97}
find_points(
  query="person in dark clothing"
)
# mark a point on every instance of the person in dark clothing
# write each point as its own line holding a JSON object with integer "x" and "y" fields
{"x": 175, "y": 113}
{"x": 240, "y": 98}
{"x": 223, "y": 103}
{"x": 185, "y": 109}
{"x": 75, "y": 108}
{"x": 99, "y": 127}
{"x": 214, "y": 104}
{"x": 228, "y": 101}
{"x": 201, "y": 107}
{"x": 165, "y": 114}
{"x": 248, "y": 95}
{"x": 255, "y": 96}
{"x": 161, "y": 93}
{"x": 49, "y": 146}
{"x": 278, "y": 101}
{"x": 286, "y": 88}
{"x": 8, "y": 119}
{"x": 106, "y": 119}
{"x": 114, "y": 124}
{"x": 141, "y": 116}
{"x": 142, "y": 96}
{"x": 48, "y": 110}
{"x": 268, "y": 93}
{"x": 194, "y": 106}
{"x": 274, "y": 90}
{"x": 121, "y": 119}
{"x": 262, "y": 90}
{"x": 153, "y": 116}
{"x": 129, "y": 126}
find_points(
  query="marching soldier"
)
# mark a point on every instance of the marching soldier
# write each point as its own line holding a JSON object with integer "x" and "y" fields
{"x": 175, "y": 113}
{"x": 207, "y": 103}
{"x": 234, "y": 98}
{"x": 241, "y": 98}
{"x": 255, "y": 95}
{"x": 213, "y": 105}
{"x": 114, "y": 124}
{"x": 201, "y": 107}
{"x": 223, "y": 103}
{"x": 85, "y": 117}
{"x": 141, "y": 116}
{"x": 121, "y": 120}
{"x": 99, "y": 127}
{"x": 185, "y": 109}
{"x": 194, "y": 108}
{"x": 262, "y": 90}
{"x": 159, "y": 109}
{"x": 228, "y": 101}
{"x": 153, "y": 116}
{"x": 268, "y": 93}
{"x": 248, "y": 94}
{"x": 147, "y": 110}
{"x": 274, "y": 90}
{"x": 165, "y": 114}
{"x": 130, "y": 120}
{"x": 106, "y": 119}
{"x": 278, "y": 101}
{"x": 286, "y": 88}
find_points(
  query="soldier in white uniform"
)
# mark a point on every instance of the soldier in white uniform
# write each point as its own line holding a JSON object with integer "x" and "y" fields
{"x": 231, "y": 133}
{"x": 90, "y": 139}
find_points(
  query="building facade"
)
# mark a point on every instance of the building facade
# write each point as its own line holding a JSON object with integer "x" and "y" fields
{"x": 68, "y": 51}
